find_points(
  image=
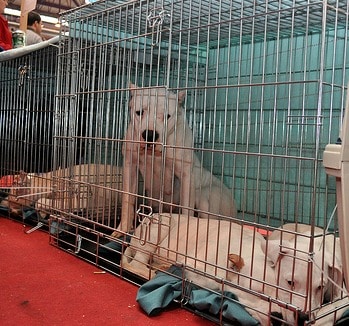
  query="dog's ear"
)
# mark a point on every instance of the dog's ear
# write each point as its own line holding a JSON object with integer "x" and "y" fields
{"x": 132, "y": 88}
{"x": 274, "y": 249}
{"x": 334, "y": 273}
{"x": 181, "y": 97}
{"x": 333, "y": 267}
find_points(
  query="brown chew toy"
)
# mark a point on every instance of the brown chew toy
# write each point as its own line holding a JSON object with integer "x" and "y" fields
{"x": 237, "y": 262}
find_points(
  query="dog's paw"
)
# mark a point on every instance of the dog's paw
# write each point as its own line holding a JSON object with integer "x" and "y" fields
{"x": 117, "y": 234}
{"x": 161, "y": 267}
{"x": 138, "y": 269}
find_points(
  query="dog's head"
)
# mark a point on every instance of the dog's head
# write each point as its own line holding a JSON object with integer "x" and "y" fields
{"x": 304, "y": 284}
{"x": 155, "y": 112}
{"x": 20, "y": 187}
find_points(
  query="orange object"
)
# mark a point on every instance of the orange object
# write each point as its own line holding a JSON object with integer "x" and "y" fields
{"x": 6, "y": 181}
{"x": 263, "y": 232}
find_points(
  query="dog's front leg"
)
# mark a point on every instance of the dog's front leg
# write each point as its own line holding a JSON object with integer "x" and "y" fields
{"x": 187, "y": 188}
{"x": 129, "y": 189}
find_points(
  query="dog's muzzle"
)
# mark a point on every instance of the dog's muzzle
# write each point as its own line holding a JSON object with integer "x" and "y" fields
{"x": 150, "y": 135}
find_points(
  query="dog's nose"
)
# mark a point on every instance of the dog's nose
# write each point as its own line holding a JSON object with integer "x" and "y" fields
{"x": 150, "y": 135}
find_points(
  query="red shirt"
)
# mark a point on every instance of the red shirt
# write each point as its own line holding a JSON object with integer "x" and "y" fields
{"x": 5, "y": 34}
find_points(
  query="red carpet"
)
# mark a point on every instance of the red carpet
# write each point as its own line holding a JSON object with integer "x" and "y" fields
{"x": 42, "y": 285}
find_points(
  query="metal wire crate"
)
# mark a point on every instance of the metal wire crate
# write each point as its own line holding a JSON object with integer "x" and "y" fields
{"x": 264, "y": 92}
{"x": 27, "y": 94}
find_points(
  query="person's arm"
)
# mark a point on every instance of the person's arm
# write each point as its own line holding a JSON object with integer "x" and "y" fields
{"x": 33, "y": 38}
{"x": 5, "y": 46}
{"x": 5, "y": 35}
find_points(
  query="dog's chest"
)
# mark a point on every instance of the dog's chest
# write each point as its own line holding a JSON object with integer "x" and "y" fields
{"x": 158, "y": 176}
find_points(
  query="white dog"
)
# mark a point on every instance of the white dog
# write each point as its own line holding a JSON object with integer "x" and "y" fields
{"x": 77, "y": 188}
{"x": 159, "y": 145}
{"x": 211, "y": 250}
{"x": 302, "y": 284}
{"x": 219, "y": 249}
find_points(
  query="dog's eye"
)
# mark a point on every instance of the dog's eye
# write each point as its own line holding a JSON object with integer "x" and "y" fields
{"x": 168, "y": 116}
{"x": 139, "y": 112}
{"x": 291, "y": 284}
{"x": 319, "y": 288}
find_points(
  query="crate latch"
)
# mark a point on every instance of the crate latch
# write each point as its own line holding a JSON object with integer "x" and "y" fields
{"x": 155, "y": 19}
